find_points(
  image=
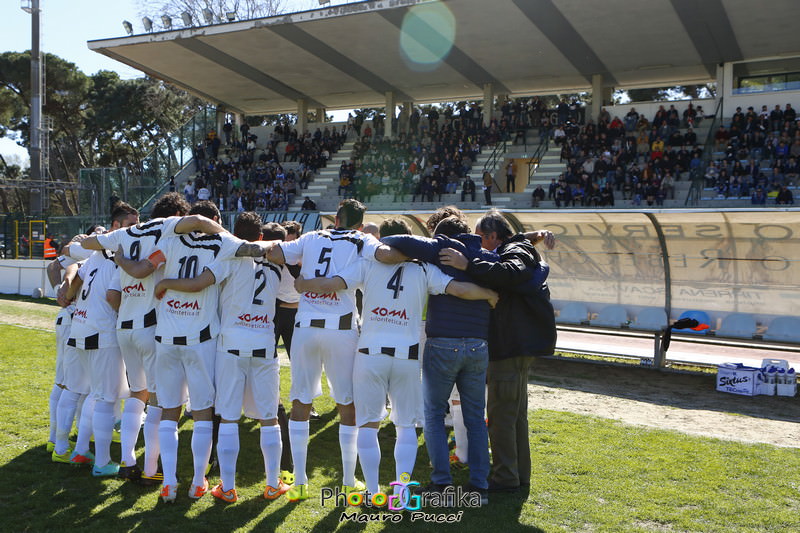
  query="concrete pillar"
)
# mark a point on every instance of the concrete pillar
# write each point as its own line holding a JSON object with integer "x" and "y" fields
{"x": 488, "y": 103}
{"x": 597, "y": 96}
{"x": 499, "y": 101}
{"x": 302, "y": 116}
{"x": 220, "y": 119}
{"x": 405, "y": 114}
{"x": 389, "y": 120}
{"x": 320, "y": 115}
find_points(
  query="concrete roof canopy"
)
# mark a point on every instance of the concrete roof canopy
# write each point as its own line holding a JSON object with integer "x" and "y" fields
{"x": 424, "y": 51}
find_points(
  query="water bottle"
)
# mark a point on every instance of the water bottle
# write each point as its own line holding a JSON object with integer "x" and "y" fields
{"x": 781, "y": 378}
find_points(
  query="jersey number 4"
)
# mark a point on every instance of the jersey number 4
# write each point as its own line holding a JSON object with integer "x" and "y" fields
{"x": 394, "y": 284}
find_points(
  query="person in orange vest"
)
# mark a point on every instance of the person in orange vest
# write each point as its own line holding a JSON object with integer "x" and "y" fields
{"x": 50, "y": 248}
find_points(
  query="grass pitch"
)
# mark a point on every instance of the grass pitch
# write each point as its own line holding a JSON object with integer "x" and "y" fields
{"x": 589, "y": 474}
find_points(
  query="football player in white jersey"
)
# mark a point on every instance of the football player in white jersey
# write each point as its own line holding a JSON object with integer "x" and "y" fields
{"x": 93, "y": 335}
{"x": 387, "y": 361}
{"x": 247, "y": 372}
{"x": 186, "y": 333}
{"x": 136, "y": 334}
{"x": 326, "y": 335}
{"x": 72, "y": 381}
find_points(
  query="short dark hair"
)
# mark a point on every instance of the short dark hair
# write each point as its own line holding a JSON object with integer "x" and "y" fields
{"x": 120, "y": 211}
{"x": 451, "y": 226}
{"x": 394, "y": 226}
{"x": 350, "y": 213}
{"x": 170, "y": 205}
{"x": 272, "y": 231}
{"x": 292, "y": 227}
{"x": 441, "y": 214}
{"x": 206, "y": 208}
{"x": 494, "y": 221}
{"x": 247, "y": 226}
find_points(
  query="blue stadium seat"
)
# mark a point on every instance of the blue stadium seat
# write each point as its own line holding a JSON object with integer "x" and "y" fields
{"x": 700, "y": 316}
{"x": 783, "y": 329}
{"x": 740, "y": 325}
{"x": 573, "y": 313}
{"x": 650, "y": 319}
{"x": 612, "y": 316}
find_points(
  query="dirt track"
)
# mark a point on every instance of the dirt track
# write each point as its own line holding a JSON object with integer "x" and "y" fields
{"x": 681, "y": 402}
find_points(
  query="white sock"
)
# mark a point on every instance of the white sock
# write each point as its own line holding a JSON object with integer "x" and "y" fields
{"x": 151, "y": 441}
{"x": 117, "y": 411}
{"x": 79, "y": 410}
{"x": 85, "y": 426}
{"x": 298, "y": 436}
{"x": 202, "y": 437}
{"x": 55, "y": 395}
{"x": 271, "y": 449}
{"x": 227, "y": 453}
{"x": 348, "y": 436}
{"x": 67, "y": 405}
{"x": 461, "y": 432}
{"x": 369, "y": 455}
{"x": 103, "y": 426}
{"x": 129, "y": 429}
{"x": 168, "y": 437}
{"x": 405, "y": 451}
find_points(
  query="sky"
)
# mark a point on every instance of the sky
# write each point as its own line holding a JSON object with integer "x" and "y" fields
{"x": 66, "y": 27}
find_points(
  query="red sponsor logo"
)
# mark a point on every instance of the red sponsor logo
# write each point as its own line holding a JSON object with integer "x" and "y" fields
{"x": 322, "y": 296}
{"x": 80, "y": 312}
{"x": 382, "y": 311}
{"x": 137, "y": 287}
{"x": 247, "y": 317}
{"x": 177, "y": 304}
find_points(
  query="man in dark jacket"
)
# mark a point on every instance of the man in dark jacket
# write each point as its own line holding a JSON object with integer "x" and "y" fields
{"x": 522, "y": 326}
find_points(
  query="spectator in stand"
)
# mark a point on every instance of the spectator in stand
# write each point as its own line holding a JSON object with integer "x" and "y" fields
{"x": 468, "y": 188}
{"x": 537, "y": 196}
{"x": 784, "y": 197}
{"x": 510, "y": 177}
{"x": 487, "y": 187}
{"x": 203, "y": 194}
{"x": 309, "y": 205}
{"x": 188, "y": 191}
{"x": 758, "y": 197}
{"x": 631, "y": 119}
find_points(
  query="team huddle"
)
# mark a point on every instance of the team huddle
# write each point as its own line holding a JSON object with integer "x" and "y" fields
{"x": 178, "y": 311}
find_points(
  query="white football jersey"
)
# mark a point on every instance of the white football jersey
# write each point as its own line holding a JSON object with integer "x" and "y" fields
{"x": 186, "y": 318}
{"x": 286, "y": 291}
{"x": 326, "y": 253}
{"x": 94, "y": 320}
{"x": 247, "y": 305}
{"x": 138, "y": 307}
{"x": 394, "y": 299}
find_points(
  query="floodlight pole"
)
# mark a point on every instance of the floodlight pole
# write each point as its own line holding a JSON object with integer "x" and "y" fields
{"x": 35, "y": 150}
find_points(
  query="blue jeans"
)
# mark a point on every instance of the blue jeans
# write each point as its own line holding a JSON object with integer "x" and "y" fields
{"x": 462, "y": 362}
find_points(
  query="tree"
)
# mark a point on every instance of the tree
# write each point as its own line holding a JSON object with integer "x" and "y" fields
{"x": 244, "y": 9}
{"x": 97, "y": 121}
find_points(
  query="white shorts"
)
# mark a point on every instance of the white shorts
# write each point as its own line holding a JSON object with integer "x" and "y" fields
{"x": 184, "y": 372}
{"x": 315, "y": 347}
{"x": 138, "y": 347}
{"x": 380, "y": 375}
{"x": 107, "y": 373}
{"x": 252, "y": 383}
{"x": 76, "y": 370}
{"x": 62, "y": 334}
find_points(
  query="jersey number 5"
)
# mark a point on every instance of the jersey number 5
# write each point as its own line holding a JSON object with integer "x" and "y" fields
{"x": 324, "y": 259}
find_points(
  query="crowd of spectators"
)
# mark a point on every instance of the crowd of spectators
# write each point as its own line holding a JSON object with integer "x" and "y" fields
{"x": 238, "y": 176}
{"x": 756, "y": 155}
{"x": 640, "y": 159}
{"x": 431, "y": 158}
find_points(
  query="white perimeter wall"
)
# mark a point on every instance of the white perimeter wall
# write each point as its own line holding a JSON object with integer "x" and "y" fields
{"x": 23, "y": 276}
